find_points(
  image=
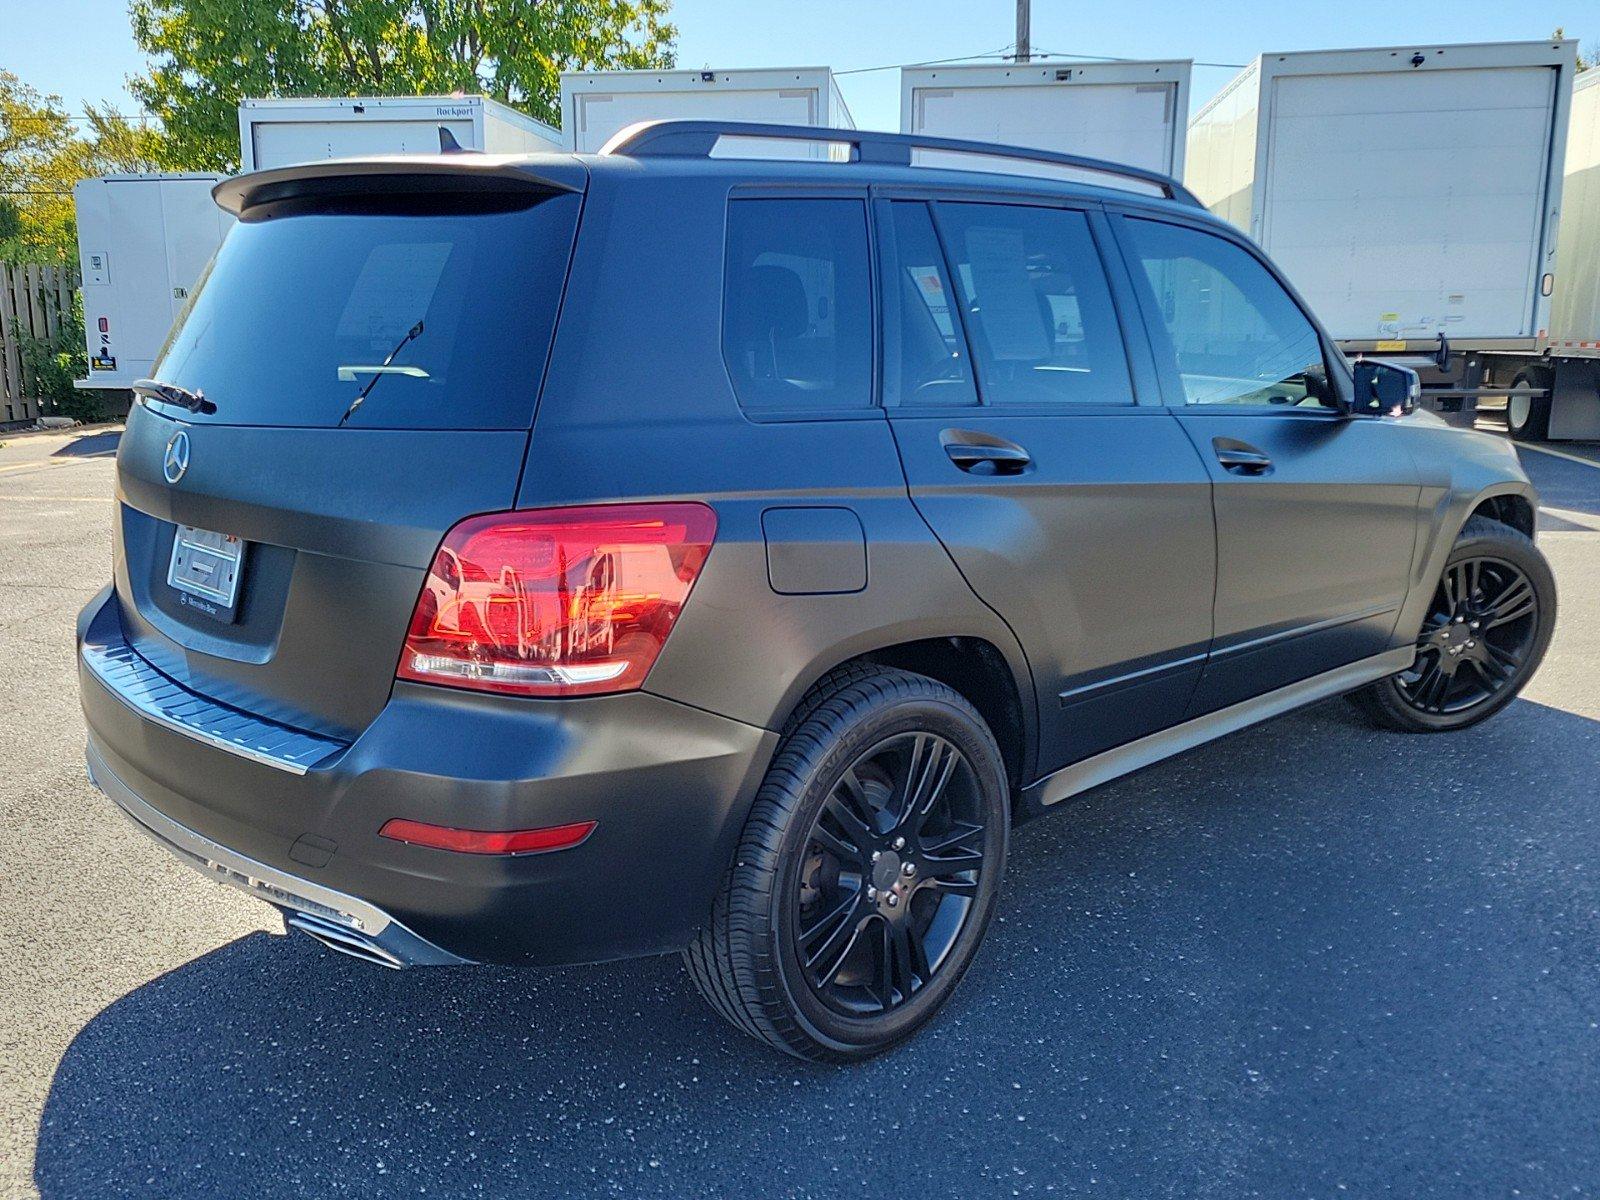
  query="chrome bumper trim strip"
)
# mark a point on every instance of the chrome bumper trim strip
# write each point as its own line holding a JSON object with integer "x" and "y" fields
{"x": 168, "y": 703}
{"x": 360, "y": 921}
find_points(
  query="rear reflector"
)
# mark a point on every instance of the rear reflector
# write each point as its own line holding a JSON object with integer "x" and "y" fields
{"x": 556, "y": 601}
{"x": 488, "y": 841}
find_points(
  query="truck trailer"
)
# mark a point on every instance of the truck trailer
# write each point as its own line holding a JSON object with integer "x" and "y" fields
{"x": 1556, "y": 391}
{"x": 595, "y": 105}
{"x": 281, "y": 132}
{"x": 1414, "y": 195}
{"x": 143, "y": 241}
{"x": 1128, "y": 112}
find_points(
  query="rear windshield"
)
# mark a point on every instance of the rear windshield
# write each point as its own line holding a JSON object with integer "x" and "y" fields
{"x": 439, "y": 308}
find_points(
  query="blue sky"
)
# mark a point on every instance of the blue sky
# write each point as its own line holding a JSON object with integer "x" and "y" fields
{"x": 82, "y": 49}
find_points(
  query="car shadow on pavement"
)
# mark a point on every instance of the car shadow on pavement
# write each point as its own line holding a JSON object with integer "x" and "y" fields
{"x": 91, "y": 445}
{"x": 1308, "y": 957}
{"x": 1564, "y": 484}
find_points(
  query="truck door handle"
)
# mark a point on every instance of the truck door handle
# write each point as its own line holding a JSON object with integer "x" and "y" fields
{"x": 984, "y": 457}
{"x": 1241, "y": 459}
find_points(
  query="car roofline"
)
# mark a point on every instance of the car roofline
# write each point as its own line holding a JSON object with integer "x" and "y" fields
{"x": 698, "y": 139}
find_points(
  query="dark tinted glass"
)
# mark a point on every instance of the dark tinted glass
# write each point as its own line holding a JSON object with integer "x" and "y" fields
{"x": 925, "y": 351}
{"x": 1236, "y": 335}
{"x": 798, "y": 312}
{"x": 1039, "y": 311}
{"x": 301, "y": 304}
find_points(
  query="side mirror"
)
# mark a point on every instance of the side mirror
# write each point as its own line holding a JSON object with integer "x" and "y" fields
{"x": 1384, "y": 389}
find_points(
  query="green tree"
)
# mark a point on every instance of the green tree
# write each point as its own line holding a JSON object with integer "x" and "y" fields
{"x": 43, "y": 152}
{"x": 33, "y": 127}
{"x": 1584, "y": 61}
{"x": 208, "y": 55}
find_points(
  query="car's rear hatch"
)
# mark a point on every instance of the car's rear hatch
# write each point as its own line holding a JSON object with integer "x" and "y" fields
{"x": 431, "y": 288}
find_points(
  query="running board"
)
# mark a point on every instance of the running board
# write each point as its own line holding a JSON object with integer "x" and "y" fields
{"x": 1104, "y": 767}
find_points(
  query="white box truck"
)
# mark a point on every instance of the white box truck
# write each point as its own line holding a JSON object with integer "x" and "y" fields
{"x": 280, "y": 132}
{"x": 1127, "y": 112}
{"x": 1411, "y": 193}
{"x": 143, "y": 241}
{"x": 597, "y": 104}
{"x": 1567, "y": 370}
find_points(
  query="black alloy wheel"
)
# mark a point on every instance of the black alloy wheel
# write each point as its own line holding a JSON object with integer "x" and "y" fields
{"x": 867, "y": 871}
{"x": 1477, "y": 639}
{"x": 1488, "y": 624}
{"x": 892, "y": 864}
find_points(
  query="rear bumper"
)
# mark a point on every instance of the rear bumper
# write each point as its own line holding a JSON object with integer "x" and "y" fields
{"x": 345, "y": 922}
{"x": 669, "y": 786}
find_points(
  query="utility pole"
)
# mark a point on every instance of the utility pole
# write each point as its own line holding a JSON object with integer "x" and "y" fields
{"x": 1024, "y": 19}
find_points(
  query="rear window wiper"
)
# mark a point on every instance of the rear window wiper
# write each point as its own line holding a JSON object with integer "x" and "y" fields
{"x": 379, "y": 371}
{"x": 171, "y": 393}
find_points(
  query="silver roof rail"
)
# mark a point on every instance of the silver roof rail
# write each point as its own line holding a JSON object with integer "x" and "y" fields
{"x": 697, "y": 139}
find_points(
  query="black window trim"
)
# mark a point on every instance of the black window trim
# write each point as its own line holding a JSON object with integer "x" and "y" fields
{"x": 1138, "y": 356}
{"x": 885, "y": 237}
{"x": 1171, "y": 386}
{"x": 873, "y": 410}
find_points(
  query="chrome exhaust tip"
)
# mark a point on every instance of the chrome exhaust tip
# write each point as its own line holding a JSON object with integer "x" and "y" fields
{"x": 344, "y": 940}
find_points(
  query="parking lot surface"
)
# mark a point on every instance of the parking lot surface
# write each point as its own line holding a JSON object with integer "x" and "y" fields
{"x": 1309, "y": 960}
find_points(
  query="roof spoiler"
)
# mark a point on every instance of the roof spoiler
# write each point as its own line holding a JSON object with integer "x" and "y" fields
{"x": 464, "y": 172}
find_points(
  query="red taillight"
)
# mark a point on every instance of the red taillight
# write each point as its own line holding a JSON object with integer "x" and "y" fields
{"x": 487, "y": 841}
{"x": 557, "y": 601}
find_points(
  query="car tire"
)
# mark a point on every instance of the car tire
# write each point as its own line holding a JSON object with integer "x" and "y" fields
{"x": 764, "y": 960}
{"x": 1455, "y": 638}
{"x": 1528, "y": 417}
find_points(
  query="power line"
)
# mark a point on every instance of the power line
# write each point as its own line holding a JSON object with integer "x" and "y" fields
{"x": 1113, "y": 58}
{"x": 79, "y": 119}
{"x": 931, "y": 62}
{"x": 1003, "y": 53}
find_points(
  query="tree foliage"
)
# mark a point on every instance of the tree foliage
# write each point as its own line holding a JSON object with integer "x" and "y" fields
{"x": 208, "y": 55}
{"x": 1585, "y": 61}
{"x": 44, "y": 150}
{"x": 54, "y": 362}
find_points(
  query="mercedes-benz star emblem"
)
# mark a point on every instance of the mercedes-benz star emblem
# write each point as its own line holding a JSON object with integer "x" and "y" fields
{"x": 176, "y": 460}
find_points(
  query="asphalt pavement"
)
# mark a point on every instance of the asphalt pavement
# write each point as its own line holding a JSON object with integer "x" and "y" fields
{"x": 1309, "y": 960}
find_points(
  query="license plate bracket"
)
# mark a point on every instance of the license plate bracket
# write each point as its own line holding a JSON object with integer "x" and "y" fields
{"x": 205, "y": 571}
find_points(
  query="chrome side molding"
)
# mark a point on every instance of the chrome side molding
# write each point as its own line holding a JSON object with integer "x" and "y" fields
{"x": 1122, "y": 760}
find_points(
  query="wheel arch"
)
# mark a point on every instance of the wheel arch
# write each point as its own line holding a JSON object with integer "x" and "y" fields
{"x": 1509, "y": 500}
{"x": 994, "y": 678}
{"x": 1507, "y": 505}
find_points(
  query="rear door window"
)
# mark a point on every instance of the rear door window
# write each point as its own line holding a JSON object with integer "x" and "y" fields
{"x": 441, "y": 307}
{"x": 1038, "y": 308}
{"x": 797, "y": 312}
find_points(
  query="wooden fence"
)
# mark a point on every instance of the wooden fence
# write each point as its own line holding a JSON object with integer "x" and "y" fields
{"x": 33, "y": 300}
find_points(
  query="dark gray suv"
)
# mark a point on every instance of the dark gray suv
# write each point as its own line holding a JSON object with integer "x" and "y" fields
{"x": 561, "y": 558}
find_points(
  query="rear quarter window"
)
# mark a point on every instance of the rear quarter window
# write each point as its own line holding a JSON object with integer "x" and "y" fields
{"x": 797, "y": 307}
{"x": 305, "y": 304}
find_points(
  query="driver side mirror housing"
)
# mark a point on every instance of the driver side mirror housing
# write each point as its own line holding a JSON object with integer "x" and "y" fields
{"x": 1384, "y": 389}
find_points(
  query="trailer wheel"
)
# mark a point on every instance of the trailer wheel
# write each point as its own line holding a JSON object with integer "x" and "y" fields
{"x": 1528, "y": 417}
